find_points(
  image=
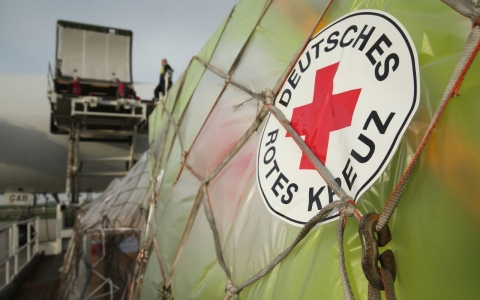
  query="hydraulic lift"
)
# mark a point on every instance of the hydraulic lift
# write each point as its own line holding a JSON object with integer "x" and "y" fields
{"x": 95, "y": 119}
{"x": 97, "y": 55}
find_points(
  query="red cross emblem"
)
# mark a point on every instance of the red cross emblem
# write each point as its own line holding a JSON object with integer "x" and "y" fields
{"x": 325, "y": 114}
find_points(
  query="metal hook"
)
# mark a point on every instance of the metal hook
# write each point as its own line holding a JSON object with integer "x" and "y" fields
{"x": 370, "y": 253}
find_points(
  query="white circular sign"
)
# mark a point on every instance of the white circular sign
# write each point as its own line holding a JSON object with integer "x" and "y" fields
{"x": 350, "y": 96}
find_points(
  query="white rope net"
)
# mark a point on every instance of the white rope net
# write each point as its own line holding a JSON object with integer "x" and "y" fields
{"x": 208, "y": 181}
{"x": 102, "y": 252}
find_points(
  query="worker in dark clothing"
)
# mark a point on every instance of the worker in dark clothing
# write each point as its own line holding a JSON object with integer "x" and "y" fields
{"x": 165, "y": 82}
{"x": 74, "y": 87}
{"x": 132, "y": 94}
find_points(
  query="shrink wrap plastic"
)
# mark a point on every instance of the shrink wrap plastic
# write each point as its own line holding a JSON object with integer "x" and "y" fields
{"x": 435, "y": 228}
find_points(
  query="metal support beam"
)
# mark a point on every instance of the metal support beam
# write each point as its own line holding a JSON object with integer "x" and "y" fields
{"x": 105, "y": 159}
{"x": 103, "y": 174}
{"x": 132, "y": 148}
{"x": 107, "y": 133}
{"x": 95, "y": 119}
{"x": 115, "y": 115}
{"x": 76, "y": 162}
{"x": 68, "y": 184}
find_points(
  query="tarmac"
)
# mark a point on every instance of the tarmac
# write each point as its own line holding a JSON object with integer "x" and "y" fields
{"x": 42, "y": 282}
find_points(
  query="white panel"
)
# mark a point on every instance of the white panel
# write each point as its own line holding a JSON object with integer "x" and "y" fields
{"x": 119, "y": 57}
{"x": 95, "y": 49}
{"x": 70, "y": 51}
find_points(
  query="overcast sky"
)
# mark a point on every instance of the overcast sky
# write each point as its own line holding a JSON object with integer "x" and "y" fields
{"x": 174, "y": 29}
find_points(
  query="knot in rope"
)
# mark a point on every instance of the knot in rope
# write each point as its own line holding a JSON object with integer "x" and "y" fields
{"x": 348, "y": 208}
{"x": 267, "y": 96}
{"x": 165, "y": 293}
{"x": 184, "y": 157}
{"x": 142, "y": 256}
{"x": 228, "y": 78}
{"x": 207, "y": 180}
{"x": 230, "y": 291}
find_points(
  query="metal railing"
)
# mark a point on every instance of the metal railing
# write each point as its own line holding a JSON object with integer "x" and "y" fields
{"x": 17, "y": 245}
{"x": 82, "y": 106}
{"x": 50, "y": 79}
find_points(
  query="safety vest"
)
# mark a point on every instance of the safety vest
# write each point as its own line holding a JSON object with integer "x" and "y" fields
{"x": 121, "y": 90}
{"x": 76, "y": 88}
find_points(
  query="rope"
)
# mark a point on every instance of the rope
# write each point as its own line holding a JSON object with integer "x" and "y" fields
{"x": 320, "y": 216}
{"x": 216, "y": 237}
{"x": 388, "y": 284}
{"x": 164, "y": 110}
{"x": 227, "y": 77}
{"x": 142, "y": 258}
{"x": 347, "y": 211}
{"x": 159, "y": 260}
{"x": 165, "y": 293}
{"x": 186, "y": 233}
{"x": 158, "y": 161}
{"x": 345, "y": 205}
{"x": 137, "y": 277}
{"x": 174, "y": 123}
{"x": 292, "y": 63}
{"x": 468, "y": 54}
{"x": 321, "y": 169}
{"x": 230, "y": 291}
{"x": 387, "y": 279}
{"x": 237, "y": 106}
{"x": 247, "y": 42}
{"x": 218, "y": 169}
{"x": 347, "y": 289}
{"x": 373, "y": 293}
{"x": 467, "y": 8}
{"x": 267, "y": 95}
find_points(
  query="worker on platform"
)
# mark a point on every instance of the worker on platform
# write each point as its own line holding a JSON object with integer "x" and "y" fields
{"x": 74, "y": 87}
{"x": 122, "y": 89}
{"x": 165, "y": 82}
{"x": 132, "y": 94}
